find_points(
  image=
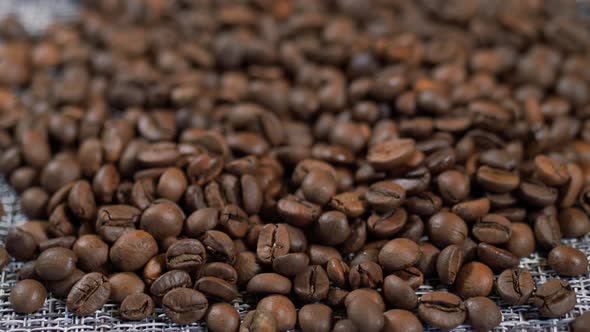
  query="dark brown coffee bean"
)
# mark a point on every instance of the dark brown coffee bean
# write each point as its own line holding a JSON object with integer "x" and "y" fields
{"x": 445, "y": 228}
{"x": 573, "y": 222}
{"x": 337, "y": 271}
{"x": 124, "y": 284}
{"x": 297, "y": 211}
{"x": 258, "y": 321}
{"x": 413, "y": 276}
{"x": 281, "y": 308}
{"x": 547, "y": 232}
{"x": 143, "y": 193}
{"x": 219, "y": 246}
{"x": 63, "y": 242}
{"x": 349, "y": 203}
{"x": 399, "y": 254}
{"x": 496, "y": 258}
{"x": 81, "y": 201}
{"x": 391, "y": 153}
{"x": 472, "y": 210}
{"x": 332, "y": 228}
{"x": 273, "y": 242}
{"x": 61, "y": 288}
{"x": 581, "y": 323}
{"x": 91, "y": 251}
{"x": 522, "y": 240}
{"x": 550, "y": 171}
{"x": 474, "y": 279}
{"x": 482, "y": 313}
{"x": 216, "y": 289}
{"x": 23, "y": 178}
{"x": 27, "y": 296}
{"x": 105, "y": 183}
{"x": 137, "y": 306}
{"x": 515, "y": 286}
{"x": 365, "y": 274}
{"x": 453, "y": 186}
{"x": 397, "y": 320}
{"x": 387, "y": 224}
{"x": 269, "y": 283}
{"x": 133, "y": 250}
{"x": 449, "y": 263}
{"x": 385, "y": 196}
{"x": 554, "y": 298}
{"x": 424, "y": 203}
{"x": 413, "y": 229}
{"x": 184, "y": 305}
{"x": 441, "y": 309}
{"x": 252, "y": 194}
{"x": 222, "y": 317}
{"x": 114, "y": 220}
{"x": 89, "y": 294}
{"x": 162, "y": 219}
{"x": 34, "y": 202}
{"x": 315, "y": 317}
{"x": 427, "y": 262}
{"x": 168, "y": 281}
{"x": 497, "y": 180}
{"x": 172, "y": 184}
{"x": 186, "y": 254}
{"x": 538, "y": 194}
{"x": 201, "y": 221}
{"x": 291, "y": 264}
{"x": 319, "y": 186}
{"x": 365, "y": 314}
{"x": 311, "y": 285}
{"x": 568, "y": 261}
{"x": 398, "y": 293}
{"x": 493, "y": 229}
{"x": 55, "y": 263}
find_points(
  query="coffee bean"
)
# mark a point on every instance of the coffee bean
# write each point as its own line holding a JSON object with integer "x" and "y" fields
{"x": 234, "y": 220}
{"x": 522, "y": 240}
{"x": 482, "y": 313}
{"x": 568, "y": 261}
{"x": 273, "y": 242}
{"x": 445, "y": 228}
{"x": 319, "y": 186}
{"x": 162, "y": 219}
{"x": 81, "y": 201}
{"x": 27, "y": 296}
{"x": 124, "y": 284}
{"x": 154, "y": 268}
{"x": 385, "y": 196}
{"x": 216, "y": 288}
{"x": 497, "y": 180}
{"x": 89, "y": 294}
{"x": 554, "y": 298}
{"x": 220, "y": 270}
{"x": 344, "y": 325}
{"x": 332, "y": 228}
{"x": 315, "y": 317}
{"x": 132, "y": 250}
{"x": 573, "y": 222}
{"x": 168, "y": 281}
{"x": 496, "y": 258}
{"x": 184, "y": 305}
{"x": 34, "y": 202}
{"x": 397, "y": 320}
{"x": 259, "y": 321}
{"x": 62, "y": 242}
{"x": 441, "y": 309}
{"x": 427, "y": 262}
{"x": 365, "y": 314}
{"x": 453, "y": 186}
{"x": 222, "y": 317}
{"x": 413, "y": 276}
{"x": 247, "y": 266}
{"x": 269, "y": 283}
{"x": 114, "y": 220}
{"x": 538, "y": 194}
{"x": 290, "y": 265}
{"x": 581, "y": 322}
{"x": 312, "y": 284}
{"x": 449, "y": 263}
{"x": 280, "y": 307}
{"x": 399, "y": 254}
{"x": 365, "y": 274}
{"x": 493, "y": 229}
{"x": 550, "y": 171}
{"x": 424, "y": 203}
{"x": 172, "y": 184}
{"x": 349, "y": 203}
{"x": 137, "y": 306}
{"x": 186, "y": 254}
{"x": 387, "y": 224}
{"x": 515, "y": 286}
{"x": 61, "y": 288}
{"x": 201, "y": 221}
{"x": 91, "y": 251}
{"x": 474, "y": 279}
{"x": 55, "y": 263}
{"x": 413, "y": 229}
{"x": 472, "y": 210}
{"x": 398, "y": 293}
{"x": 298, "y": 212}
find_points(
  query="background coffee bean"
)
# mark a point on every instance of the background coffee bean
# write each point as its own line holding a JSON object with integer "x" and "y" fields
{"x": 315, "y": 317}
{"x": 258, "y": 320}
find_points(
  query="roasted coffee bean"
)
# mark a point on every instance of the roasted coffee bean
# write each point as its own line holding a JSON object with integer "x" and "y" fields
{"x": 391, "y": 153}
{"x": 216, "y": 288}
{"x": 27, "y": 296}
{"x": 413, "y": 276}
{"x": 493, "y": 229}
{"x": 258, "y": 321}
{"x": 497, "y": 180}
{"x": 234, "y": 220}
{"x": 445, "y": 228}
{"x": 345, "y": 325}
{"x": 337, "y": 271}
{"x": 573, "y": 222}
{"x": 91, "y": 251}
{"x": 397, "y": 320}
{"x": 124, "y": 284}
{"x": 269, "y": 283}
{"x": 114, "y": 220}
{"x": 472, "y": 210}
{"x": 449, "y": 263}
{"x": 387, "y": 224}
{"x": 61, "y": 288}
{"x": 554, "y": 298}
{"x": 453, "y": 186}
{"x": 273, "y": 242}
{"x": 137, "y": 306}
{"x": 441, "y": 309}
{"x": 482, "y": 313}
{"x": 105, "y": 183}
{"x": 365, "y": 274}
{"x": 162, "y": 219}
{"x": 81, "y": 201}
{"x": 201, "y": 221}
{"x": 474, "y": 279}
{"x": 63, "y": 242}
{"x": 291, "y": 264}
{"x": 312, "y": 284}
{"x": 424, "y": 203}
{"x": 222, "y": 317}
{"x": 385, "y": 196}
{"x": 168, "y": 281}
{"x": 581, "y": 323}
{"x": 398, "y": 293}
{"x": 34, "y": 202}
{"x": 496, "y": 258}
{"x": 399, "y": 254}
{"x": 315, "y": 317}
{"x": 319, "y": 186}
{"x": 365, "y": 314}
{"x": 280, "y": 307}
{"x": 154, "y": 268}
{"x": 133, "y": 250}
{"x": 522, "y": 240}
{"x": 427, "y": 262}
{"x": 184, "y": 305}
{"x": 550, "y": 171}
{"x": 219, "y": 246}
{"x": 568, "y": 261}
{"x": 413, "y": 229}
{"x": 537, "y": 194}
{"x": 298, "y": 212}
{"x": 186, "y": 254}
{"x": 515, "y": 286}
{"x": 89, "y": 294}
{"x": 332, "y": 228}
{"x": 349, "y": 203}
{"x": 55, "y": 263}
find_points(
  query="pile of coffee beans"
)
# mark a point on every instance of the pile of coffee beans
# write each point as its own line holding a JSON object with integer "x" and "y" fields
{"x": 317, "y": 159}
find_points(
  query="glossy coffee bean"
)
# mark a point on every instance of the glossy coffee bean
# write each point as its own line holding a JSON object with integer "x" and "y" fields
{"x": 568, "y": 261}
{"x": 89, "y": 294}
{"x": 441, "y": 309}
{"x": 27, "y": 296}
{"x": 365, "y": 314}
{"x": 312, "y": 284}
{"x": 497, "y": 259}
{"x": 515, "y": 286}
{"x": 445, "y": 228}
{"x": 397, "y": 320}
{"x": 398, "y": 293}
{"x": 168, "y": 281}
{"x": 55, "y": 263}
{"x": 474, "y": 279}
{"x": 184, "y": 305}
{"x": 124, "y": 284}
{"x": 448, "y": 263}
{"x": 492, "y": 229}
{"x": 222, "y": 317}
{"x": 522, "y": 240}
{"x": 554, "y": 298}
{"x": 269, "y": 283}
{"x": 133, "y": 250}
{"x": 281, "y": 308}
{"x": 399, "y": 254}
{"x": 186, "y": 254}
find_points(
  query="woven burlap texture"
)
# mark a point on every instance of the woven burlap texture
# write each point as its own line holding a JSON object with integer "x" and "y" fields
{"x": 54, "y": 316}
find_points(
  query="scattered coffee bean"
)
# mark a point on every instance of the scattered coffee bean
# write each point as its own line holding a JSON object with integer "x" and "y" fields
{"x": 581, "y": 323}
{"x": 554, "y": 298}
{"x": 483, "y": 314}
{"x": 568, "y": 261}
{"x": 89, "y": 294}
{"x": 515, "y": 286}
{"x": 27, "y": 296}
{"x": 281, "y": 308}
{"x": 137, "y": 306}
{"x": 222, "y": 317}
{"x": 474, "y": 279}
